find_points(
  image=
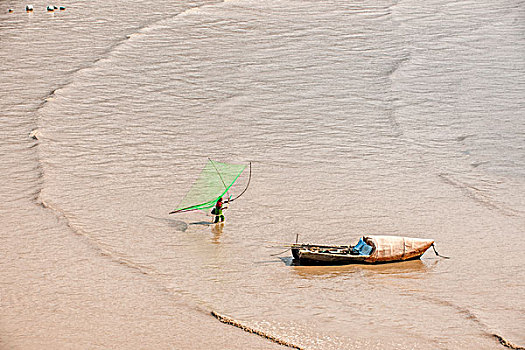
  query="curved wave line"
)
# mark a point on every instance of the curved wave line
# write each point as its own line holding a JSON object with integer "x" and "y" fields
{"x": 507, "y": 343}
{"x": 473, "y": 318}
{"x": 111, "y": 48}
{"x": 93, "y": 242}
{"x": 238, "y": 324}
{"x": 476, "y": 194}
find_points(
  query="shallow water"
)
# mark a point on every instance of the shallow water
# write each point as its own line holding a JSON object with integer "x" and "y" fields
{"x": 374, "y": 118}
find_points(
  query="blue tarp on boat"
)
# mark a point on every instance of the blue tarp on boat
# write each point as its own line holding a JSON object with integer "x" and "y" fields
{"x": 362, "y": 248}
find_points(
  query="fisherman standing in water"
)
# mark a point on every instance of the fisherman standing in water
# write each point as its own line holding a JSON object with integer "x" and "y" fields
{"x": 217, "y": 211}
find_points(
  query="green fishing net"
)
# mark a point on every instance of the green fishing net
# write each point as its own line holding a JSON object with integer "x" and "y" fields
{"x": 213, "y": 183}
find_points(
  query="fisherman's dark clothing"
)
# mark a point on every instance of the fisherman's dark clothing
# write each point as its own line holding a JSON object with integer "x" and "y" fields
{"x": 217, "y": 211}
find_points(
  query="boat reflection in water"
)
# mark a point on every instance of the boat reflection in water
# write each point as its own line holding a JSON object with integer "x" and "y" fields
{"x": 404, "y": 269}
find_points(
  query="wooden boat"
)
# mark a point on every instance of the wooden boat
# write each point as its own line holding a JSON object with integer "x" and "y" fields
{"x": 369, "y": 250}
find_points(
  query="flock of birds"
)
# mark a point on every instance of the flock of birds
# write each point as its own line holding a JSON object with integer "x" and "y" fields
{"x": 50, "y": 8}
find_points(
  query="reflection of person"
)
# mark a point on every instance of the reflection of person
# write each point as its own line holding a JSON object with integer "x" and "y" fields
{"x": 217, "y": 232}
{"x": 217, "y": 211}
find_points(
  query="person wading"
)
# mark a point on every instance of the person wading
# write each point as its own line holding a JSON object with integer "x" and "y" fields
{"x": 217, "y": 211}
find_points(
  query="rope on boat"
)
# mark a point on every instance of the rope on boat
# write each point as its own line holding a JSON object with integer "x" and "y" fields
{"x": 287, "y": 249}
{"x": 231, "y": 321}
{"x": 441, "y": 256}
{"x": 284, "y": 251}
